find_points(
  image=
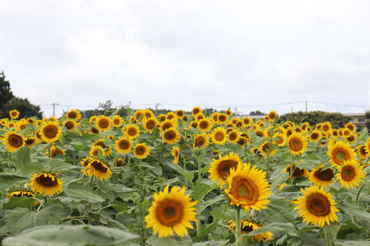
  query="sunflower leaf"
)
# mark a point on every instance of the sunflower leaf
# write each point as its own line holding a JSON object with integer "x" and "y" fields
{"x": 355, "y": 209}
{"x": 208, "y": 203}
{"x": 22, "y": 157}
{"x": 8, "y": 180}
{"x": 187, "y": 174}
{"x": 200, "y": 190}
{"x": 205, "y": 232}
{"x": 276, "y": 226}
{"x": 277, "y": 210}
{"x": 22, "y": 202}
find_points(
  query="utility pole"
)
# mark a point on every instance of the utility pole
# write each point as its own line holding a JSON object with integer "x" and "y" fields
{"x": 54, "y": 108}
{"x": 156, "y": 108}
{"x": 306, "y": 106}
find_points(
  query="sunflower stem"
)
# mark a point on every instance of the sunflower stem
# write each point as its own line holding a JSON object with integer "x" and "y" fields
{"x": 359, "y": 191}
{"x": 238, "y": 239}
{"x": 91, "y": 180}
{"x": 49, "y": 150}
{"x": 186, "y": 181}
{"x": 291, "y": 170}
{"x": 199, "y": 166}
{"x": 198, "y": 226}
{"x": 327, "y": 239}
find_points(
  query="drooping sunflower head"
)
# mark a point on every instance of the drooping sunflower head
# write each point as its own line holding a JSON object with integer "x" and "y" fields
{"x": 56, "y": 151}
{"x": 150, "y": 123}
{"x": 205, "y": 125}
{"x": 297, "y": 143}
{"x": 46, "y": 183}
{"x": 201, "y": 141}
{"x": 71, "y": 125}
{"x": 296, "y": 171}
{"x": 141, "y": 150}
{"x": 119, "y": 162}
{"x": 196, "y": 110}
{"x": 175, "y": 152}
{"x": 13, "y": 141}
{"x": 321, "y": 177}
{"x": 350, "y": 173}
{"x": 317, "y": 206}
{"x": 94, "y": 130}
{"x": 73, "y": 114}
{"x": 219, "y": 136}
{"x": 132, "y": 131}
{"x": 340, "y": 152}
{"x": 222, "y": 118}
{"x": 171, "y": 135}
{"x": 14, "y": 114}
{"x": 220, "y": 168}
{"x": 171, "y": 212}
{"x": 248, "y": 187}
{"x": 123, "y": 145}
{"x": 272, "y": 115}
{"x": 50, "y": 132}
{"x": 117, "y": 121}
{"x": 248, "y": 226}
{"x": 99, "y": 169}
{"x": 31, "y": 142}
{"x": 84, "y": 163}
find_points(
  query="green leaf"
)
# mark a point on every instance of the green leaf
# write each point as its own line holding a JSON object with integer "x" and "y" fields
{"x": 331, "y": 230}
{"x": 22, "y": 157}
{"x": 77, "y": 190}
{"x": 206, "y": 231}
{"x": 209, "y": 202}
{"x": 173, "y": 241}
{"x": 355, "y": 209}
{"x": 277, "y": 226}
{"x": 353, "y": 243}
{"x": 212, "y": 243}
{"x": 154, "y": 167}
{"x": 62, "y": 140}
{"x": 22, "y": 202}
{"x": 8, "y": 180}
{"x": 62, "y": 166}
{"x": 115, "y": 112}
{"x": 188, "y": 175}
{"x": 18, "y": 219}
{"x": 200, "y": 190}
{"x": 364, "y": 133}
{"x": 156, "y": 132}
{"x": 32, "y": 167}
{"x": 278, "y": 210}
{"x": 309, "y": 162}
{"x": 65, "y": 235}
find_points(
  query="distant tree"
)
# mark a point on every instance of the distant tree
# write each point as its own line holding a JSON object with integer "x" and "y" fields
{"x": 5, "y": 91}
{"x": 257, "y": 112}
{"x": 337, "y": 120}
{"x": 24, "y": 106}
{"x": 106, "y": 106}
{"x": 367, "y": 117}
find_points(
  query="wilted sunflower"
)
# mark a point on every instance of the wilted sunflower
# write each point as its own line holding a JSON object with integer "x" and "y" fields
{"x": 117, "y": 121}
{"x": 248, "y": 121}
{"x": 233, "y": 136}
{"x": 220, "y": 169}
{"x": 317, "y": 206}
{"x": 132, "y": 131}
{"x": 175, "y": 152}
{"x": 123, "y": 145}
{"x": 297, "y": 171}
{"x": 350, "y": 173}
{"x": 168, "y": 124}
{"x": 99, "y": 169}
{"x": 297, "y": 143}
{"x": 150, "y": 123}
{"x": 219, "y": 136}
{"x": 71, "y": 125}
{"x": 363, "y": 152}
{"x": 180, "y": 113}
{"x": 14, "y": 114}
{"x": 266, "y": 146}
{"x": 171, "y": 212}
{"x": 30, "y": 142}
{"x": 73, "y": 114}
{"x": 46, "y": 183}
{"x": 171, "y": 135}
{"x": 340, "y": 152}
{"x": 94, "y": 151}
{"x": 280, "y": 138}
{"x": 222, "y": 119}
{"x": 315, "y": 136}
{"x": 84, "y": 163}
{"x": 205, "y": 125}
{"x": 350, "y": 126}
{"x": 248, "y": 187}
{"x": 201, "y": 140}
{"x": 321, "y": 178}
{"x": 141, "y": 150}
{"x": 50, "y": 132}
{"x": 13, "y": 141}
{"x": 196, "y": 110}
{"x": 247, "y": 226}
{"x": 272, "y": 115}
{"x": 103, "y": 123}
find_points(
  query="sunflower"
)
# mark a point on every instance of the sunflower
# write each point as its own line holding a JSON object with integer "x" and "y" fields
{"x": 214, "y": 117}
{"x": 138, "y": 113}
{"x": 193, "y": 124}
{"x": 3, "y": 122}
{"x": 71, "y": 125}
{"x": 201, "y": 141}
{"x": 20, "y": 193}
{"x": 321, "y": 178}
{"x": 242, "y": 141}
{"x": 13, "y": 141}
{"x": 132, "y": 131}
{"x": 103, "y": 123}
{"x": 175, "y": 153}
{"x": 340, "y": 152}
{"x": 56, "y": 151}
{"x": 266, "y": 146}
{"x": 14, "y": 114}
{"x": 233, "y": 136}
{"x": 168, "y": 124}
{"x": 351, "y": 138}
{"x": 315, "y": 136}
{"x": 180, "y": 114}
{"x": 171, "y": 135}
{"x": 222, "y": 118}
{"x": 326, "y": 127}
{"x": 119, "y": 162}
{"x": 346, "y": 132}
{"x": 248, "y": 187}
{"x": 123, "y": 145}
{"x": 94, "y": 151}
{"x": 99, "y": 169}
{"x": 117, "y": 121}
{"x": 20, "y": 126}
{"x": 351, "y": 127}
{"x": 11, "y": 124}
{"x": 363, "y": 152}
{"x": 272, "y": 115}
{"x": 297, "y": 143}
{"x": 297, "y": 171}
{"x": 92, "y": 119}
{"x": 305, "y": 126}
{"x": 220, "y": 169}
{"x": 162, "y": 117}
{"x": 84, "y": 163}
{"x": 335, "y": 133}
{"x": 219, "y": 135}
{"x": 260, "y": 133}
{"x": 199, "y": 117}
{"x": 248, "y": 121}
{"x": 196, "y": 110}
{"x": 150, "y": 123}
{"x": 141, "y": 150}
{"x": 228, "y": 112}
{"x": 280, "y": 138}
{"x": 107, "y": 149}
{"x": 239, "y": 124}
{"x": 148, "y": 114}
{"x": 286, "y": 126}
{"x": 73, "y": 114}
{"x": 317, "y": 206}
{"x": 46, "y": 183}
{"x": 318, "y": 126}
{"x": 171, "y": 212}
{"x": 50, "y": 132}
{"x": 94, "y": 130}
{"x": 171, "y": 116}
{"x": 205, "y": 125}
{"x": 249, "y": 225}
{"x": 30, "y": 142}
{"x": 350, "y": 173}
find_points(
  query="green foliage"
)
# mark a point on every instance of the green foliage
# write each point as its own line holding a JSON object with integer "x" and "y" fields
{"x": 257, "y": 112}
{"x": 337, "y": 120}
{"x": 5, "y": 91}
{"x": 24, "y": 106}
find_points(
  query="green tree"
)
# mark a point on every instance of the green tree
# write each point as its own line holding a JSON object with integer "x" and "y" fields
{"x": 257, "y": 112}
{"x": 337, "y": 120}
{"x": 5, "y": 91}
{"x": 367, "y": 117}
{"x": 24, "y": 106}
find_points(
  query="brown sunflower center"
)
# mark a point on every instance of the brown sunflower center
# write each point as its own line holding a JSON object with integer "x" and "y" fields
{"x": 348, "y": 173}
{"x": 318, "y": 204}
{"x": 222, "y": 118}
{"x": 195, "y": 111}
{"x": 245, "y": 190}
{"x": 223, "y": 169}
{"x": 340, "y": 155}
{"x": 170, "y": 135}
{"x": 132, "y": 131}
{"x": 69, "y": 125}
{"x": 103, "y": 123}
{"x": 120, "y": 163}
{"x": 260, "y": 133}
{"x": 46, "y": 181}
{"x": 94, "y": 130}
{"x": 150, "y": 124}
{"x": 116, "y": 121}
{"x": 180, "y": 113}
{"x": 100, "y": 167}
{"x": 325, "y": 128}
{"x": 169, "y": 212}
{"x": 72, "y": 115}
{"x": 203, "y": 125}
{"x": 363, "y": 150}
{"x": 314, "y": 136}
{"x": 140, "y": 150}
{"x": 14, "y": 114}
{"x": 233, "y": 136}
{"x": 219, "y": 136}
{"x": 295, "y": 144}
{"x": 200, "y": 141}
{"x": 166, "y": 126}
{"x": 351, "y": 138}
{"x": 247, "y": 229}
{"x": 50, "y": 131}
{"x": 325, "y": 175}
{"x": 124, "y": 144}
{"x": 241, "y": 141}
{"x": 15, "y": 140}
{"x": 279, "y": 139}
{"x": 30, "y": 141}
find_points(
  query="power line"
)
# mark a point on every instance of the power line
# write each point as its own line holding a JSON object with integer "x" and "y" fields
{"x": 339, "y": 104}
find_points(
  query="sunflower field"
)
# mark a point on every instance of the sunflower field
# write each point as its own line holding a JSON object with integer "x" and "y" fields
{"x": 182, "y": 179}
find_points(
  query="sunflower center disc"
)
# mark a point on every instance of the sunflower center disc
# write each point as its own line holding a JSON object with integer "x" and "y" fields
{"x": 224, "y": 168}
{"x": 326, "y": 175}
{"x": 51, "y": 131}
{"x": 247, "y": 229}
{"x": 169, "y": 212}
{"x": 295, "y": 144}
{"x": 99, "y": 167}
{"x": 232, "y": 136}
{"x": 46, "y": 181}
{"x": 318, "y": 204}
{"x": 199, "y": 142}
{"x": 340, "y": 155}
{"x": 347, "y": 173}
{"x": 15, "y": 140}
{"x": 219, "y": 136}
{"x": 245, "y": 190}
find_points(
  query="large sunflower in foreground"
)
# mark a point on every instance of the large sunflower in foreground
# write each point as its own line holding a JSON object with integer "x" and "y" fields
{"x": 175, "y": 152}
{"x": 13, "y": 141}
{"x": 219, "y": 136}
{"x": 248, "y": 187}
{"x": 73, "y": 114}
{"x": 171, "y": 136}
{"x": 171, "y": 212}
{"x": 46, "y": 183}
{"x": 297, "y": 143}
{"x": 350, "y": 174}
{"x": 123, "y": 145}
{"x": 220, "y": 169}
{"x": 99, "y": 169}
{"x": 50, "y": 132}
{"x": 141, "y": 151}
{"x": 339, "y": 152}
{"x": 103, "y": 123}
{"x": 317, "y": 206}
{"x": 247, "y": 226}
{"x": 320, "y": 177}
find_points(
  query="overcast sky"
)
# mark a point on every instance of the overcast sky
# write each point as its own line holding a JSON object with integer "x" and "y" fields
{"x": 187, "y": 53}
